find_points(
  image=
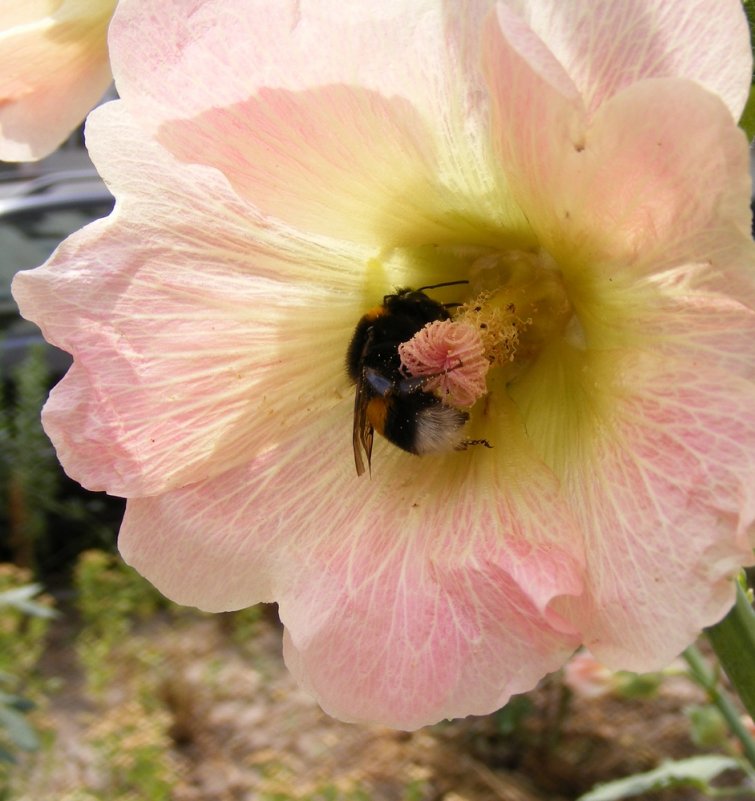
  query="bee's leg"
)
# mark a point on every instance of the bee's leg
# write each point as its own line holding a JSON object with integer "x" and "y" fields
{"x": 379, "y": 384}
{"x": 412, "y": 383}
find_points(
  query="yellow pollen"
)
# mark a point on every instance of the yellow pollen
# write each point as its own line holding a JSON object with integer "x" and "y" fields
{"x": 499, "y": 327}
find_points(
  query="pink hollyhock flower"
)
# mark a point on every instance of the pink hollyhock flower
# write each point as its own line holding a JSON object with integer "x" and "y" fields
{"x": 278, "y": 169}
{"x": 586, "y": 677}
{"x": 53, "y": 68}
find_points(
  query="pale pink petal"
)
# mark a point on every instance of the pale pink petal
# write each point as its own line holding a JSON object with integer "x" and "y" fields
{"x": 711, "y": 304}
{"x": 399, "y": 608}
{"x": 326, "y": 126}
{"x": 648, "y": 421}
{"x": 605, "y": 46}
{"x": 586, "y": 677}
{"x": 393, "y": 48}
{"x": 192, "y": 337}
{"x": 54, "y": 67}
{"x": 616, "y": 188}
{"x": 675, "y": 188}
{"x": 667, "y": 504}
{"x": 336, "y": 160}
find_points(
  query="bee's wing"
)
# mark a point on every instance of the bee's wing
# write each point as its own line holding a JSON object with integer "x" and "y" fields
{"x": 363, "y": 430}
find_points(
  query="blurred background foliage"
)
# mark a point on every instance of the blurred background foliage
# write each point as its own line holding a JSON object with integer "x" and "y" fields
{"x": 748, "y": 116}
{"x": 48, "y": 518}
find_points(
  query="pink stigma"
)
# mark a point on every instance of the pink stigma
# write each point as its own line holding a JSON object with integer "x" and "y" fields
{"x": 452, "y": 355}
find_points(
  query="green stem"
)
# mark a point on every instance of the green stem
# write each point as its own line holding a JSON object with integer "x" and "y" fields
{"x": 702, "y": 674}
{"x": 733, "y": 640}
{"x": 728, "y": 792}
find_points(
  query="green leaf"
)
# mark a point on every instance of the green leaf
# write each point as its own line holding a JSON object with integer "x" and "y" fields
{"x": 637, "y": 685}
{"x": 709, "y": 727}
{"x": 695, "y": 772}
{"x": 18, "y": 729}
{"x": 733, "y": 640}
{"x": 16, "y": 702}
{"x": 510, "y": 717}
{"x": 6, "y": 756}
{"x": 750, "y": 12}
{"x": 21, "y": 704}
{"x": 17, "y": 594}
{"x": 747, "y": 121}
{"x": 20, "y": 598}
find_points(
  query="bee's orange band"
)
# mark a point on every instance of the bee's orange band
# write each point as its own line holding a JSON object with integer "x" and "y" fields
{"x": 377, "y": 409}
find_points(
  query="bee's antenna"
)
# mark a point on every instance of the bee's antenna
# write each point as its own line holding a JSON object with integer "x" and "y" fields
{"x": 438, "y": 286}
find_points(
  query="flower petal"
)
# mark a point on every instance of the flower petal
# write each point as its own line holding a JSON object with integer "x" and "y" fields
{"x": 336, "y": 160}
{"x": 715, "y": 319}
{"x": 324, "y": 127}
{"x": 295, "y": 45}
{"x": 667, "y": 502}
{"x": 614, "y": 188}
{"x": 54, "y": 67}
{"x": 606, "y": 46}
{"x": 396, "y": 609}
{"x": 675, "y": 187}
{"x": 192, "y": 337}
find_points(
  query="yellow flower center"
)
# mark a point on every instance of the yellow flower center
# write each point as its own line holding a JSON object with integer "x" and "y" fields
{"x": 550, "y": 336}
{"x": 520, "y": 305}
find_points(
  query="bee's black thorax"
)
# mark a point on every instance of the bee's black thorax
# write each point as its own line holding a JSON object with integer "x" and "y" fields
{"x": 379, "y": 333}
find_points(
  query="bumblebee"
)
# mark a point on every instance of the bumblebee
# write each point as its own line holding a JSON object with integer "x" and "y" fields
{"x": 388, "y": 401}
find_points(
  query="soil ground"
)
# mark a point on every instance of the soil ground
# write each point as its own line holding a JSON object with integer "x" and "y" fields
{"x": 221, "y": 720}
